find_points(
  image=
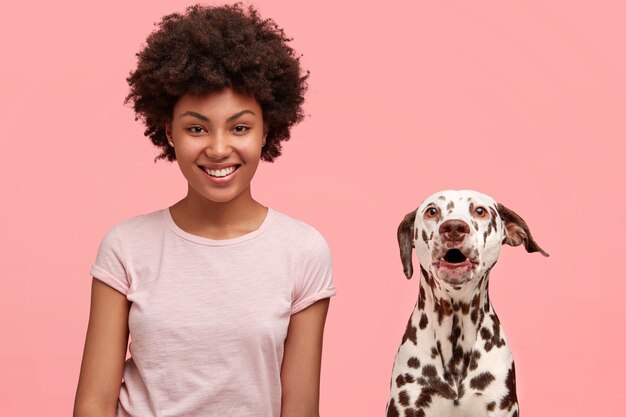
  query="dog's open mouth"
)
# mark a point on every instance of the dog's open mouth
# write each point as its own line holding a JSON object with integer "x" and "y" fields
{"x": 454, "y": 260}
{"x": 454, "y": 256}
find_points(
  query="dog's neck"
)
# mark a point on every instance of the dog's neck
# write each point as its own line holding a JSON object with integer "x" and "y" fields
{"x": 438, "y": 292}
{"x": 452, "y": 318}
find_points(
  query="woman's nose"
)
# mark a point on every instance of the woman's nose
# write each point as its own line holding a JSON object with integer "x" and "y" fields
{"x": 217, "y": 146}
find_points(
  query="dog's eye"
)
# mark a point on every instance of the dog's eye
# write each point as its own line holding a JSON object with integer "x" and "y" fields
{"x": 480, "y": 211}
{"x": 432, "y": 212}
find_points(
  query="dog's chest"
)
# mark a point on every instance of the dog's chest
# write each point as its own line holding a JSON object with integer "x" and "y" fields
{"x": 453, "y": 359}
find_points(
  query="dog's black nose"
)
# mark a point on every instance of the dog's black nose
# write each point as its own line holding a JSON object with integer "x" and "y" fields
{"x": 454, "y": 230}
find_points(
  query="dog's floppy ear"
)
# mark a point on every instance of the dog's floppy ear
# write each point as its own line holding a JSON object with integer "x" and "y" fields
{"x": 405, "y": 241}
{"x": 517, "y": 231}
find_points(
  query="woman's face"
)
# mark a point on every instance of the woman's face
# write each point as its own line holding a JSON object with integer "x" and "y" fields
{"x": 217, "y": 139}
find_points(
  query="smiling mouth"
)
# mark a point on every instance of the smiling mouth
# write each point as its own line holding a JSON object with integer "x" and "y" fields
{"x": 220, "y": 173}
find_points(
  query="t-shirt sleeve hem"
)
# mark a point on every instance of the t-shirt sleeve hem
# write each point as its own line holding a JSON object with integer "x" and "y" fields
{"x": 306, "y": 302}
{"x": 108, "y": 279}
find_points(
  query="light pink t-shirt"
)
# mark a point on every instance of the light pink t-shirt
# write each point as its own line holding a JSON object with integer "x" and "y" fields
{"x": 209, "y": 318}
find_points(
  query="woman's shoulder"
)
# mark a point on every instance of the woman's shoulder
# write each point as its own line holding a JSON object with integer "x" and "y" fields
{"x": 293, "y": 226}
{"x": 142, "y": 220}
{"x": 139, "y": 224}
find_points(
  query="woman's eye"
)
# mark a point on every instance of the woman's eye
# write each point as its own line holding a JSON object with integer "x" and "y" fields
{"x": 196, "y": 129}
{"x": 240, "y": 129}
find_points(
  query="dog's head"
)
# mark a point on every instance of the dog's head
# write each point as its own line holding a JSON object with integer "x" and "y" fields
{"x": 457, "y": 235}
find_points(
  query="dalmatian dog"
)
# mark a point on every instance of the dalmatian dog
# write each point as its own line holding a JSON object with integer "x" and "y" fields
{"x": 454, "y": 359}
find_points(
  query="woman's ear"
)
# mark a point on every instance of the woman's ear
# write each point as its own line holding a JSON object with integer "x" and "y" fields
{"x": 168, "y": 134}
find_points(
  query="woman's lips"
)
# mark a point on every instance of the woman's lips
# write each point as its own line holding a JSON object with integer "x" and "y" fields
{"x": 220, "y": 172}
{"x": 220, "y": 175}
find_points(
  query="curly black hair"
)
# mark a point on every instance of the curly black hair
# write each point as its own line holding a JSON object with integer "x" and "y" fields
{"x": 208, "y": 49}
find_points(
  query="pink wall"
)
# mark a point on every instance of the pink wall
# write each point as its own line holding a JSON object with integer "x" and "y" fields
{"x": 522, "y": 101}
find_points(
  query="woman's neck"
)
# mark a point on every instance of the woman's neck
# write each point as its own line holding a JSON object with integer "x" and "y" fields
{"x": 237, "y": 217}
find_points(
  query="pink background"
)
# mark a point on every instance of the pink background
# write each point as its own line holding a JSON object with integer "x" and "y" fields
{"x": 522, "y": 101}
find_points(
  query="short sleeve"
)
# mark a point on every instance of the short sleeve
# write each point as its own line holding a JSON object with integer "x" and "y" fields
{"x": 314, "y": 280}
{"x": 109, "y": 266}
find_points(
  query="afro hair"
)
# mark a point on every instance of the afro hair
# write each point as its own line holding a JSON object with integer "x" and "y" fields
{"x": 208, "y": 49}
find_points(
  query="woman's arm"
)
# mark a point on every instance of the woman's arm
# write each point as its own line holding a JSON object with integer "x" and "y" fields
{"x": 300, "y": 373}
{"x": 105, "y": 352}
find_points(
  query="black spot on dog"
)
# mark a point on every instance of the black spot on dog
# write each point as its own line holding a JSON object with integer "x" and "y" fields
{"x": 433, "y": 352}
{"x": 413, "y": 362}
{"x": 424, "y": 236}
{"x": 481, "y": 381}
{"x": 476, "y": 301}
{"x": 427, "y": 277}
{"x": 429, "y": 371}
{"x": 435, "y": 387}
{"x": 473, "y": 364}
{"x": 457, "y": 358}
{"x": 485, "y": 333}
{"x": 442, "y": 308}
{"x": 404, "y": 379}
{"x": 496, "y": 340}
{"x": 410, "y": 333}
{"x": 450, "y": 206}
{"x": 421, "y": 299}
{"x": 411, "y": 412}
{"x": 467, "y": 358}
{"x": 403, "y": 398}
{"x": 475, "y": 315}
{"x": 425, "y": 397}
{"x": 491, "y": 406}
{"x": 493, "y": 221}
{"x": 465, "y": 307}
{"x": 510, "y": 399}
{"x": 392, "y": 411}
{"x": 423, "y": 321}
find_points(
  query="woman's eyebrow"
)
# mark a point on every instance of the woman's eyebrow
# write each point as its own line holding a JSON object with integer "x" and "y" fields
{"x": 206, "y": 119}
{"x": 239, "y": 114}
{"x": 194, "y": 114}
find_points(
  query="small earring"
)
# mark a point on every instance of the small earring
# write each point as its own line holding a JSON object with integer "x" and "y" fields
{"x": 171, "y": 143}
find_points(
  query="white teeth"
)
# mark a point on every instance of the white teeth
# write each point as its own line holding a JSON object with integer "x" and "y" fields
{"x": 220, "y": 172}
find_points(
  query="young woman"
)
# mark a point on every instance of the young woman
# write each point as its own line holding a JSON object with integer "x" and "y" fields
{"x": 224, "y": 299}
